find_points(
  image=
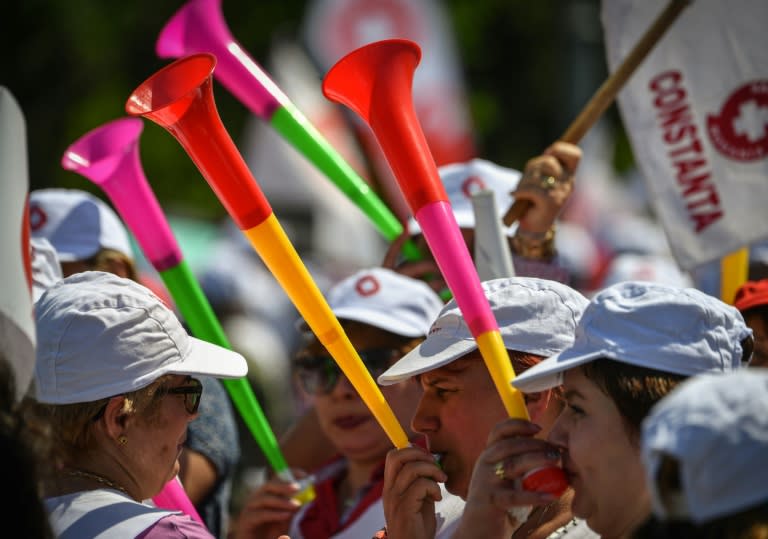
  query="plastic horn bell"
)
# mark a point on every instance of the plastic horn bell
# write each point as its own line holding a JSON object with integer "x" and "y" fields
{"x": 376, "y": 81}
{"x": 109, "y": 157}
{"x": 179, "y": 98}
{"x": 199, "y": 26}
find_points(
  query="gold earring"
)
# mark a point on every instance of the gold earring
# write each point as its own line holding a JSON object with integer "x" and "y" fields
{"x": 122, "y": 440}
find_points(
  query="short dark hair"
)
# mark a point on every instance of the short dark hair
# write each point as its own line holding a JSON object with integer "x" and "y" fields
{"x": 634, "y": 390}
{"x": 759, "y": 310}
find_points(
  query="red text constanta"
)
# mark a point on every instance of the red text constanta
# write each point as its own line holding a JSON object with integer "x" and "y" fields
{"x": 685, "y": 150}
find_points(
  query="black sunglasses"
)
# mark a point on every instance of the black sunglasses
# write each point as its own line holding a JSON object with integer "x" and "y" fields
{"x": 320, "y": 374}
{"x": 192, "y": 392}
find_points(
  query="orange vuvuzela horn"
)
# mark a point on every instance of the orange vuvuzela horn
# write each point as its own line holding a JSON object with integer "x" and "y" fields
{"x": 376, "y": 82}
{"x": 179, "y": 98}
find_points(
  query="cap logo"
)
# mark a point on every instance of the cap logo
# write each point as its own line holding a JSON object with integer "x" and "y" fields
{"x": 367, "y": 285}
{"x": 37, "y": 217}
{"x": 472, "y": 185}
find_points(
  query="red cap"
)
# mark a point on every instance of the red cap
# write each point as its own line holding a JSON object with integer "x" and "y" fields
{"x": 751, "y": 294}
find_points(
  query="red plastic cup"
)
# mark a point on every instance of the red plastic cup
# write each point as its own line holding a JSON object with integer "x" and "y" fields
{"x": 551, "y": 479}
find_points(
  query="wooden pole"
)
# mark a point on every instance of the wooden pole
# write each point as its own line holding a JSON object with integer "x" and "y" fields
{"x": 606, "y": 94}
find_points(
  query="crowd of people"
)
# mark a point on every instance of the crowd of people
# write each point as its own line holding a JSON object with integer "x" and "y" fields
{"x": 110, "y": 353}
{"x": 646, "y": 396}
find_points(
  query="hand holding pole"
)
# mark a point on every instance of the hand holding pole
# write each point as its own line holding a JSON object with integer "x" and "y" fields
{"x": 606, "y": 94}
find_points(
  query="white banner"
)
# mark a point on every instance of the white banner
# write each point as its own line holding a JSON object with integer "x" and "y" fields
{"x": 17, "y": 323}
{"x": 696, "y": 112}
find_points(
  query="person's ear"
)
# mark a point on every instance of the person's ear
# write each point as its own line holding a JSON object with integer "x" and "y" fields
{"x": 537, "y": 404}
{"x": 670, "y": 489}
{"x": 114, "y": 418}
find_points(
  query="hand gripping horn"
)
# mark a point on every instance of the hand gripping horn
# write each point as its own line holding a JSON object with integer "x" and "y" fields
{"x": 179, "y": 98}
{"x": 109, "y": 157}
{"x": 375, "y": 81}
{"x": 199, "y": 26}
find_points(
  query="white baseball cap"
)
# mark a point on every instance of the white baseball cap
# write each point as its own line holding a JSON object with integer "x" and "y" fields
{"x": 76, "y": 223}
{"x": 630, "y": 233}
{"x": 46, "y": 270}
{"x": 535, "y": 316}
{"x": 716, "y": 428}
{"x": 100, "y": 335}
{"x": 658, "y": 268}
{"x": 671, "y": 329}
{"x": 461, "y": 180}
{"x": 387, "y": 300}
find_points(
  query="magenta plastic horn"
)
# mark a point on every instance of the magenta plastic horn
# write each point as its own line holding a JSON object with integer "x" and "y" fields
{"x": 109, "y": 157}
{"x": 199, "y": 27}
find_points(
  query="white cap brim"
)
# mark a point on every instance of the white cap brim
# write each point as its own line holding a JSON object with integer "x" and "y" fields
{"x": 433, "y": 353}
{"x": 380, "y": 320}
{"x": 549, "y": 373}
{"x": 209, "y": 359}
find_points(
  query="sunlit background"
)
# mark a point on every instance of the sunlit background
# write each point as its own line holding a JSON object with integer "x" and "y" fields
{"x": 527, "y": 68}
{"x": 499, "y": 80}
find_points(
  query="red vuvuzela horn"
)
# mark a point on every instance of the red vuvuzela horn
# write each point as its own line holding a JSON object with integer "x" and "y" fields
{"x": 376, "y": 82}
{"x": 179, "y": 98}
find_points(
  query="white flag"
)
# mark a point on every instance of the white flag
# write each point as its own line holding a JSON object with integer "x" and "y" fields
{"x": 17, "y": 322}
{"x": 696, "y": 111}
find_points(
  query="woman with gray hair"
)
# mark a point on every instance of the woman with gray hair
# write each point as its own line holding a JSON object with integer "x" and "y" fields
{"x": 115, "y": 379}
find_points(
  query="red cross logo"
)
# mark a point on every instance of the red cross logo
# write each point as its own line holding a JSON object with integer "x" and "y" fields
{"x": 740, "y": 130}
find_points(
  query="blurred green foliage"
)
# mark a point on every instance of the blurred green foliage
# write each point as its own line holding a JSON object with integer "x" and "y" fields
{"x": 71, "y": 64}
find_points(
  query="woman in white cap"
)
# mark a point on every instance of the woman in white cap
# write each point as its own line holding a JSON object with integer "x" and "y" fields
{"x": 115, "y": 379}
{"x": 634, "y": 343}
{"x": 385, "y": 315}
{"x": 85, "y": 232}
{"x": 87, "y": 235}
{"x": 704, "y": 448}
